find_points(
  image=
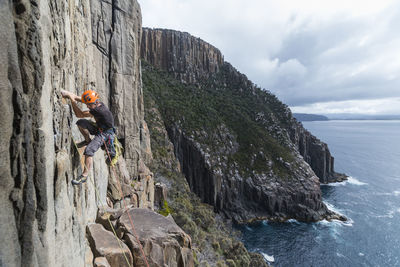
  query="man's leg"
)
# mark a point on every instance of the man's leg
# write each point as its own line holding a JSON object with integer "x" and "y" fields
{"x": 85, "y": 133}
{"x": 93, "y": 146}
{"x": 88, "y": 165}
{"x": 86, "y": 128}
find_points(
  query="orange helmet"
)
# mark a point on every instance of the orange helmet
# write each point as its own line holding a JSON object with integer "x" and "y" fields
{"x": 89, "y": 97}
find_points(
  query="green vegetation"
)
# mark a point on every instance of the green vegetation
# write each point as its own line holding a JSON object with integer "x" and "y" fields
{"x": 213, "y": 242}
{"x": 165, "y": 210}
{"x": 225, "y": 99}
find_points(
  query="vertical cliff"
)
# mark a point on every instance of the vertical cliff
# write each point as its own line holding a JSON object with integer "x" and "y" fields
{"x": 315, "y": 152}
{"x": 189, "y": 58}
{"x": 47, "y": 46}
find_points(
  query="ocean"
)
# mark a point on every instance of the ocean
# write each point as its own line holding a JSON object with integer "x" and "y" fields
{"x": 369, "y": 152}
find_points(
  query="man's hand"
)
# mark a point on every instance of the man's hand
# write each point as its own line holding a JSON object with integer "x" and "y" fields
{"x": 70, "y": 95}
{"x": 66, "y": 94}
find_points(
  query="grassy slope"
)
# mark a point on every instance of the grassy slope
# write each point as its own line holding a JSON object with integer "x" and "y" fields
{"x": 223, "y": 99}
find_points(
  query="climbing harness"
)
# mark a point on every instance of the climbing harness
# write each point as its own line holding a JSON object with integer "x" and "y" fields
{"x": 113, "y": 146}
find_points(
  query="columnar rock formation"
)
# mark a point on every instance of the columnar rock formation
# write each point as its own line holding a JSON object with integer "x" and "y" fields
{"x": 187, "y": 57}
{"x": 284, "y": 188}
{"x": 315, "y": 153}
{"x": 47, "y": 46}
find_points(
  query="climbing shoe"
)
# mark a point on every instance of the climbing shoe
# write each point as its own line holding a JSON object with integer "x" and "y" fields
{"x": 80, "y": 180}
{"x": 82, "y": 144}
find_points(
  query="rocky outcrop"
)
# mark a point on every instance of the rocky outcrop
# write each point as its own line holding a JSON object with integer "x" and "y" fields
{"x": 244, "y": 199}
{"x": 105, "y": 245}
{"x": 189, "y": 58}
{"x": 315, "y": 153}
{"x": 142, "y": 230}
{"x": 273, "y": 173}
{"x": 164, "y": 242}
{"x": 47, "y": 46}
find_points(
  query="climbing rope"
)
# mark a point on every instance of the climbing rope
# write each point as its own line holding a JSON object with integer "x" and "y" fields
{"x": 123, "y": 201}
{"x": 97, "y": 204}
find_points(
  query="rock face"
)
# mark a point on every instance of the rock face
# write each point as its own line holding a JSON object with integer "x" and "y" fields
{"x": 285, "y": 187}
{"x": 116, "y": 35}
{"x": 106, "y": 245}
{"x": 47, "y": 46}
{"x": 187, "y": 57}
{"x": 244, "y": 199}
{"x": 163, "y": 241}
{"x": 315, "y": 153}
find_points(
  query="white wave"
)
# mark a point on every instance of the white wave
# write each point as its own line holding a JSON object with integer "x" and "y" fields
{"x": 353, "y": 180}
{"x": 293, "y": 221}
{"x": 333, "y": 208}
{"x": 390, "y": 214}
{"x": 361, "y": 254}
{"x": 350, "y": 180}
{"x": 248, "y": 228}
{"x": 349, "y": 221}
{"x": 268, "y": 257}
{"x": 395, "y": 193}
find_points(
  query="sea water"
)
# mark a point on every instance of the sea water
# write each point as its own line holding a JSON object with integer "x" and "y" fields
{"x": 369, "y": 152}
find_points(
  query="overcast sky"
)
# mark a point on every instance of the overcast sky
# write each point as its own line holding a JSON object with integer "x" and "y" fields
{"x": 317, "y": 56}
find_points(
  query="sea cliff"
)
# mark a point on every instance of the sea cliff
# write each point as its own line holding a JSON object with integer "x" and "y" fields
{"x": 239, "y": 147}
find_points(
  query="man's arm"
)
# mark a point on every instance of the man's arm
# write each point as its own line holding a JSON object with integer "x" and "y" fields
{"x": 78, "y": 112}
{"x": 71, "y": 96}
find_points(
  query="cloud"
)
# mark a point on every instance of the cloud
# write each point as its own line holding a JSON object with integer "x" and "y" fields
{"x": 306, "y": 52}
{"x": 370, "y": 107}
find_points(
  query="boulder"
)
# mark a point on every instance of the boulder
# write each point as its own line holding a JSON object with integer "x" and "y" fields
{"x": 101, "y": 262}
{"x": 105, "y": 244}
{"x": 163, "y": 242}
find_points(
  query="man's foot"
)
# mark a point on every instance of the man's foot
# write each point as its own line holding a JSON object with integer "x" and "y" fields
{"x": 82, "y": 144}
{"x": 80, "y": 180}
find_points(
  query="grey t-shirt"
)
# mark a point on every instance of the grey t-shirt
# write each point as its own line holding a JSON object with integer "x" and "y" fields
{"x": 103, "y": 116}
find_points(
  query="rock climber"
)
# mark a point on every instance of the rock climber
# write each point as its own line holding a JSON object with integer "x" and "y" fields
{"x": 103, "y": 129}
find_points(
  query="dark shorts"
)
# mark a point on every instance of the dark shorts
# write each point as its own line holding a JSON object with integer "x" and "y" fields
{"x": 98, "y": 140}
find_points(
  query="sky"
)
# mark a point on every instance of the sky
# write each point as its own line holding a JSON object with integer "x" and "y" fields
{"x": 317, "y": 56}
